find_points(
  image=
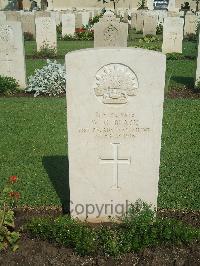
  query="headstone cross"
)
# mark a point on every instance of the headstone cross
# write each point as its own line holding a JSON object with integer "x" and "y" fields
{"x": 115, "y": 161}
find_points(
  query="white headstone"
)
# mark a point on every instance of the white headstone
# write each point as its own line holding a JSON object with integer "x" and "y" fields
{"x": 190, "y": 26}
{"x": 78, "y": 19}
{"x": 12, "y": 62}
{"x": 172, "y": 35}
{"x": 109, "y": 31}
{"x": 46, "y": 33}
{"x": 150, "y": 24}
{"x": 85, "y": 18}
{"x": 28, "y": 23}
{"x": 115, "y": 110}
{"x": 198, "y": 62}
{"x": 133, "y": 20}
{"x": 140, "y": 21}
{"x": 56, "y": 16}
{"x": 68, "y": 24}
{"x": 2, "y": 16}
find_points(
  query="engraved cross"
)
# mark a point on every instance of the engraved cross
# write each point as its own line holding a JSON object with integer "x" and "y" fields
{"x": 115, "y": 161}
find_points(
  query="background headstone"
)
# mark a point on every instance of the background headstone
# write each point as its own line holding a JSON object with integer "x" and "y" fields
{"x": 190, "y": 26}
{"x": 28, "y": 23}
{"x": 78, "y": 20}
{"x": 68, "y": 24}
{"x": 115, "y": 110}
{"x": 150, "y": 24}
{"x": 109, "y": 31}
{"x": 12, "y": 61}
{"x": 46, "y": 33}
{"x": 172, "y": 35}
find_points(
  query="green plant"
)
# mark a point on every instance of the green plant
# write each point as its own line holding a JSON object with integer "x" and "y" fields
{"x": 8, "y": 85}
{"x": 159, "y": 29}
{"x": 28, "y": 36}
{"x": 59, "y": 29}
{"x": 191, "y": 37}
{"x": 175, "y": 56}
{"x": 47, "y": 52}
{"x": 139, "y": 228}
{"x": 8, "y": 198}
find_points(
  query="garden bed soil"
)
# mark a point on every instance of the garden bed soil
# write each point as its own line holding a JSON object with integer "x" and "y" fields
{"x": 38, "y": 252}
{"x": 182, "y": 93}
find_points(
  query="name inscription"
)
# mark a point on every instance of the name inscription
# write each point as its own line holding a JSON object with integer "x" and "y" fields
{"x": 113, "y": 125}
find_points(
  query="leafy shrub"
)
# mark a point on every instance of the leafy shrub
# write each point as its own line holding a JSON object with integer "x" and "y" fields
{"x": 191, "y": 37}
{"x": 59, "y": 29}
{"x": 47, "y": 51}
{"x": 94, "y": 20}
{"x": 149, "y": 42}
{"x": 82, "y": 34}
{"x": 159, "y": 29}
{"x": 28, "y": 36}
{"x": 139, "y": 228}
{"x": 8, "y": 85}
{"x": 175, "y": 56}
{"x": 50, "y": 80}
{"x": 8, "y": 198}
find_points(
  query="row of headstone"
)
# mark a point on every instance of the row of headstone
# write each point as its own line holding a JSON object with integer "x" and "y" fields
{"x": 147, "y": 21}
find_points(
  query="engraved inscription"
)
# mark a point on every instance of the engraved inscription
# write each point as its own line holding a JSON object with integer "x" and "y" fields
{"x": 115, "y": 83}
{"x": 111, "y": 35}
{"x": 115, "y": 161}
{"x": 113, "y": 125}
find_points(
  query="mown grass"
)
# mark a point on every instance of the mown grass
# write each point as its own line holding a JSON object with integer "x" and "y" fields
{"x": 34, "y": 147}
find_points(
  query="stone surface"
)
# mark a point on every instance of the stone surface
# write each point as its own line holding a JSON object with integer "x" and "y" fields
{"x": 133, "y": 20}
{"x": 150, "y": 24}
{"x": 198, "y": 63}
{"x": 45, "y": 33}
{"x": 41, "y": 14}
{"x": 12, "y": 62}
{"x": 115, "y": 109}
{"x": 172, "y": 35}
{"x": 78, "y": 20}
{"x": 13, "y": 15}
{"x": 68, "y": 24}
{"x": 190, "y": 26}
{"x": 56, "y": 15}
{"x": 28, "y": 23}
{"x": 140, "y": 21}
{"x": 85, "y": 18}
{"x": 2, "y": 16}
{"x": 109, "y": 31}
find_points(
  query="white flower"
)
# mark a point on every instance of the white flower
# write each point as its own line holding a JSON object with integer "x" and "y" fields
{"x": 50, "y": 80}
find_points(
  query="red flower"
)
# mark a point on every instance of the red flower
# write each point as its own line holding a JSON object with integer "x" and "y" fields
{"x": 13, "y": 179}
{"x": 14, "y": 194}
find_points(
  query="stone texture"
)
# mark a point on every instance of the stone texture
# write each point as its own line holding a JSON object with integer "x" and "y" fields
{"x": 115, "y": 109}
{"x": 85, "y": 18}
{"x": 172, "y": 35}
{"x": 198, "y": 62}
{"x": 2, "y": 16}
{"x": 28, "y": 23}
{"x": 140, "y": 21}
{"x": 150, "y": 24}
{"x": 56, "y": 15}
{"x": 78, "y": 20}
{"x": 190, "y": 26}
{"x": 133, "y": 20}
{"x": 41, "y": 14}
{"x": 45, "y": 33}
{"x": 13, "y": 15}
{"x": 109, "y": 31}
{"x": 68, "y": 24}
{"x": 12, "y": 62}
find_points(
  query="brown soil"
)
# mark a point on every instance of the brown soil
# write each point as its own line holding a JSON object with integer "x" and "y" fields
{"x": 38, "y": 253}
{"x": 173, "y": 94}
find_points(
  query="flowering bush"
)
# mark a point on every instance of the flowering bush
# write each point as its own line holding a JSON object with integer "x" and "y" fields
{"x": 46, "y": 51}
{"x": 49, "y": 80}
{"x": 8, "y": 199}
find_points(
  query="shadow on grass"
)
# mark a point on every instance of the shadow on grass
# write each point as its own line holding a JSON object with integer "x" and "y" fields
{"x": 57, "y": 168}
{"x": 187, "y": 81}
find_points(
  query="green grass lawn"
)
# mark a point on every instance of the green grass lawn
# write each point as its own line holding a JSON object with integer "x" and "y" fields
{"x": 34, "y": 147}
